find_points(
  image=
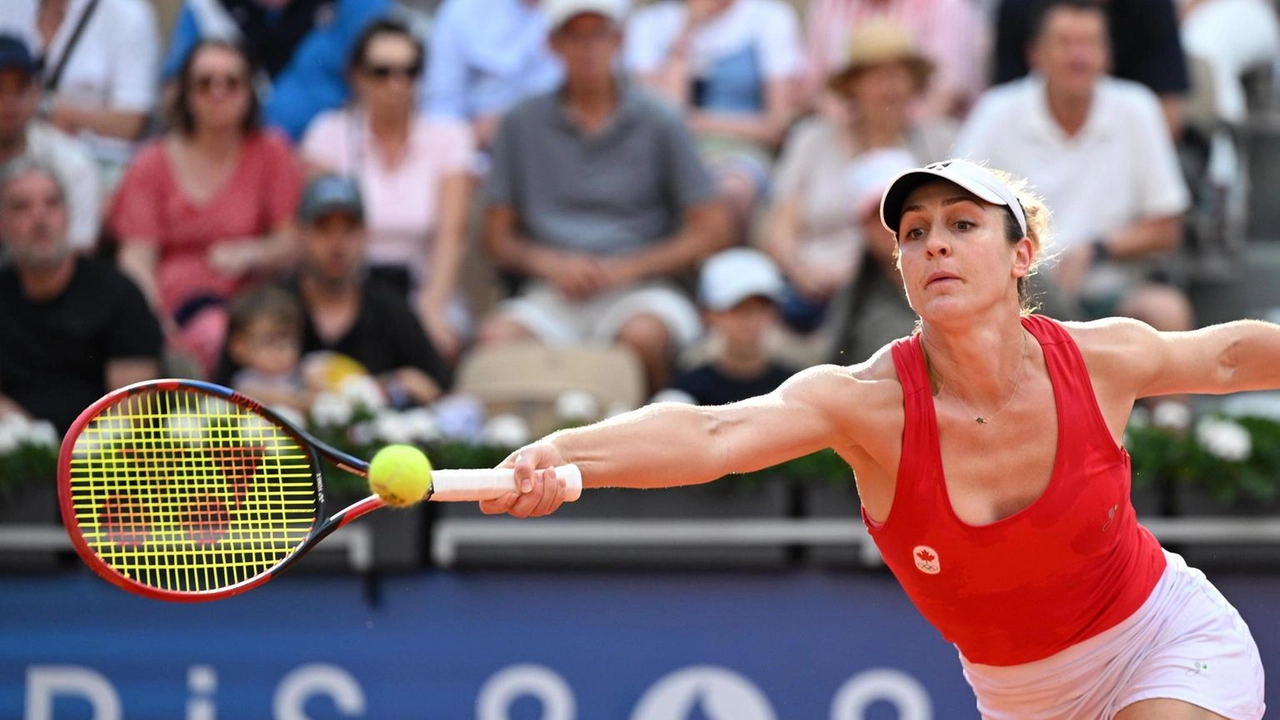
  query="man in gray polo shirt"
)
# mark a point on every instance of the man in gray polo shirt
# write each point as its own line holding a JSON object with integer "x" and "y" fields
{"x": 597, "y": 195}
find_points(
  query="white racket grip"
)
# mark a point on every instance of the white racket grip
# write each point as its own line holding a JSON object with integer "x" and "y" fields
{"x": 475, "y": 485}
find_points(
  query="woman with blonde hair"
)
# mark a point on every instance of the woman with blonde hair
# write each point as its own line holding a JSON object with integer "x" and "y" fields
{"x": 987, "y": 448}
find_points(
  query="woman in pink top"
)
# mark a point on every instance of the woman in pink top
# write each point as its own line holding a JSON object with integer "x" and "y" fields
{"x": 1026, "y": 552}
{"x": 413, "y": 172}
{"x": 208, "y": 206}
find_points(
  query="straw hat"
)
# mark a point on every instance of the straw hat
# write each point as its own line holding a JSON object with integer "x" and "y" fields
{"x": 880, "y": 42}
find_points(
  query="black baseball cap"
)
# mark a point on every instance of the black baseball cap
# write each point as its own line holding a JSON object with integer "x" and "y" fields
{"x": 15, "y": 55}
{"x": 331, "y": 193}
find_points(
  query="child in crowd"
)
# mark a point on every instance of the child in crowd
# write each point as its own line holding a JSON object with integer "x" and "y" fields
{"x": 738, "y": 290}
{"x": 264, "y": 340}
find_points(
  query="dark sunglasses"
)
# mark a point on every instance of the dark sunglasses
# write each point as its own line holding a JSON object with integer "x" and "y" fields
{"x": 230, "y": 82}
{"x": 386, "y": 72}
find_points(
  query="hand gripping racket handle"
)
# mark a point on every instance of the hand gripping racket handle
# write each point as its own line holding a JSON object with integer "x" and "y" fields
{"x": 473, "y": 485}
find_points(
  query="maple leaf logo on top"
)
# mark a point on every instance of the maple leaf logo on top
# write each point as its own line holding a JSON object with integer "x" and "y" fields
{"x": 926, "y": 559}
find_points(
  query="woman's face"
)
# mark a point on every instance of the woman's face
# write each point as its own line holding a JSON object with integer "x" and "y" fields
{"x": 388, "y": 73}
{"x": 883, "y": 91}
{"x": 953, "y": 253}
{"x": 219, "y": 89}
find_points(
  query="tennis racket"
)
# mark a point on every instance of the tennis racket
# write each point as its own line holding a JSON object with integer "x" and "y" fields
{"x": 186, "y": 491}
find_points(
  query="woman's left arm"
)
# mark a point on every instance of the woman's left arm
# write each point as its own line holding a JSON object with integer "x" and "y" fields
{"x": 281, "y": 188}
{"x": 1231, "y": 357}
{"x": 445, "y": 267}
{"x": 272, "y": 252}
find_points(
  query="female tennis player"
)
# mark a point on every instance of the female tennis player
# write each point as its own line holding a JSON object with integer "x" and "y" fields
{"x": 987, "y": 449}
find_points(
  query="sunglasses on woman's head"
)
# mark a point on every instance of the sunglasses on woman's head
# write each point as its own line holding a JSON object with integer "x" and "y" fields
{"x": 228, "y": 81}
{"x": 386, "y": 72}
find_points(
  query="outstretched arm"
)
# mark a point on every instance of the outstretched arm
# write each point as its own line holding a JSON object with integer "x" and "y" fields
{"x": 669, "y": 444}
{"x": 1231, "y": 357}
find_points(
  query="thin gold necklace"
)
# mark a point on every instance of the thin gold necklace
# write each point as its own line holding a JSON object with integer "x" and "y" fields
{"x": 986, "y": 419}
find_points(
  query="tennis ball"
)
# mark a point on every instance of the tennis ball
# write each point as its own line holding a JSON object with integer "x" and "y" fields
{"x": 400, "y": 475}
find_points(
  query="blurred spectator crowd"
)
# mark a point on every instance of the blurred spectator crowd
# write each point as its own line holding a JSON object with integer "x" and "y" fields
{"x": 288, "y": 194}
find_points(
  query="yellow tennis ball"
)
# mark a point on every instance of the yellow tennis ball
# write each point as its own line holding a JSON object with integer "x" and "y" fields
{"x": 400, "y": 475}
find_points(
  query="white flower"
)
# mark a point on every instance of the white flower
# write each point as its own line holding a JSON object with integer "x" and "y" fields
{"x": 290, "y": 415}
{"x": 617, "y": 407}
{"x": 422, "y": 424}
{"x": 1263, "y": 404}
{"x": 1171, "y": 415}
{"x": 185, "y": 428}
{"x": 1140, "y": 417}
{"x": 103, "y": 437}
{"x": 577, "y": 406}
{"x": 508, "y": 431}
{"x": 214, "y": 407}
{"x": 1224, "y": 439}
{"x": 391, "y": 428}
{"x": 255, "y": 428}
{"x": 674, "y": 396}
{"x": 330, "y": 410}
{"x": 460, "y": 417}
{"x": 362, "y": 433}
{"x": 363, "y": 391}
{"x": 13, "y": 428}
{"x": 41, "y": 433}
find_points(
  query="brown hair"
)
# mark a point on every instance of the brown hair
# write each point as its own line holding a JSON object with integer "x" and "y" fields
{"x": 264, "y": 302}
{"x": 179, "y": 112}
{"x": 379, "y": 28}
{"x": 1037, "y": 214}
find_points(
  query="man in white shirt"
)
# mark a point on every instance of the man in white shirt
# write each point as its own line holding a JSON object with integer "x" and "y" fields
{"x": 99, "y": 64}
{"x": 22, "y": 135}
{"x": 1098, "y": 150}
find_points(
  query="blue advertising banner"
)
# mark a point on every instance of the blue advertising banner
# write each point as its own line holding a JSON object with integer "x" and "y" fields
{"x": 498, "y": 646}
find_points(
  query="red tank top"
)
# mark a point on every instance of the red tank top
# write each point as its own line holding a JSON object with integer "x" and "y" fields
{"x": 1069, "y": 566}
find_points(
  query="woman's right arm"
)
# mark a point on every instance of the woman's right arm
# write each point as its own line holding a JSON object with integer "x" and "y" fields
{"x": 138, "y": 261}
{"x": 671, "y": 444}
{"x": 136, "y": 219}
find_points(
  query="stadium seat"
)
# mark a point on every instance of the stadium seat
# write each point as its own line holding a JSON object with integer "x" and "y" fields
{"x": 528, "y": 378}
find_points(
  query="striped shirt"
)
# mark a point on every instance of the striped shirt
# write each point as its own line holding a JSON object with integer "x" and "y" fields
{"x": 953, "y": 33}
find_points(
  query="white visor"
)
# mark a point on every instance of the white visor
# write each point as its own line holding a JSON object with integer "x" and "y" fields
{"x": 974, "y": 178}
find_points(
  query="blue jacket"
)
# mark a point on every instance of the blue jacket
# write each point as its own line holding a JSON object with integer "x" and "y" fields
{"x": 302, "y": 47}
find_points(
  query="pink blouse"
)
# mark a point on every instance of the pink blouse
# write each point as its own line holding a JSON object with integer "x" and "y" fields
{"x": 152, "y": 208}
{"x": 402, "y": 200}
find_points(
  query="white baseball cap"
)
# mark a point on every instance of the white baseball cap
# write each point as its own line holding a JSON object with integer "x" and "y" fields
{"x": 560, "y": 12}
{"x": 731, "y": 276}
{"x": 970, "y": 176}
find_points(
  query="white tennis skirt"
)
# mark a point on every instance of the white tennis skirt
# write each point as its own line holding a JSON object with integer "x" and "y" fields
{"x": 1185, "y": 643}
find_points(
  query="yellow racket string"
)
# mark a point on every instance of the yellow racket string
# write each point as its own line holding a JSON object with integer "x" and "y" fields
{"x": 187, "y": 492}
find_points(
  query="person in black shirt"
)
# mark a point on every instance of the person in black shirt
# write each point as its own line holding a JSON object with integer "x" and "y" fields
{"x": 739, "y": 290}
{"x": 348, "y": 313}
{"x": 1145, "y": 46}
{"x": 71, "y": 328}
